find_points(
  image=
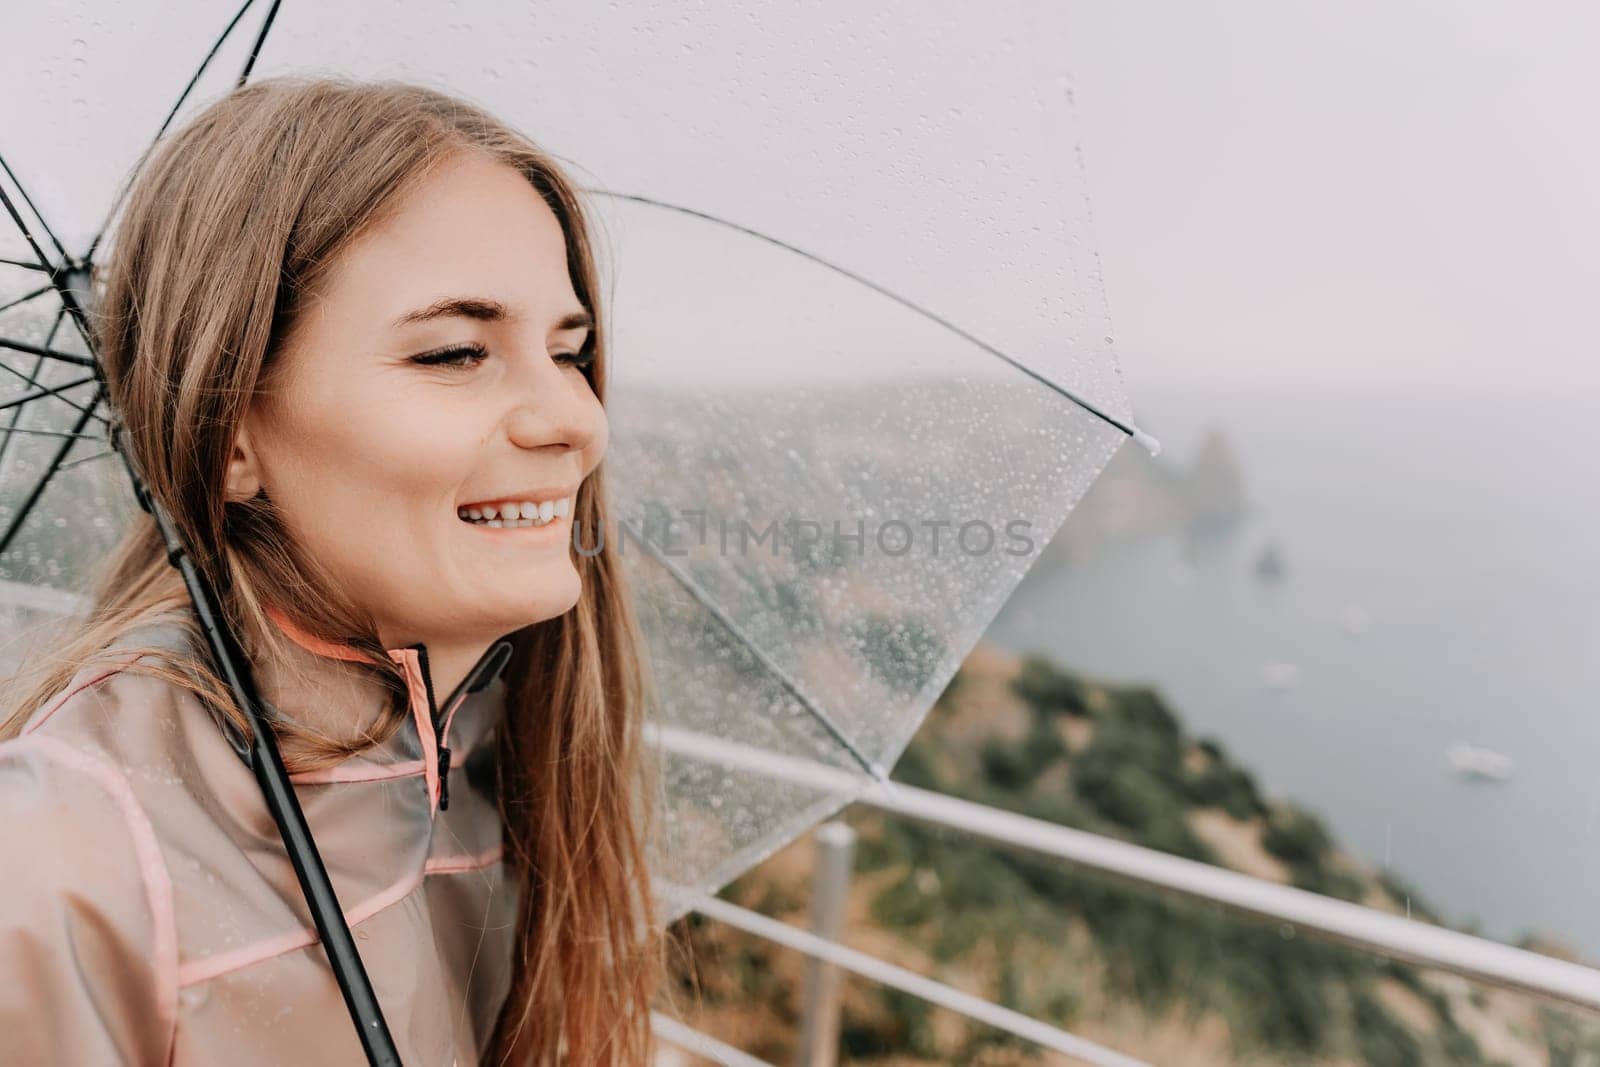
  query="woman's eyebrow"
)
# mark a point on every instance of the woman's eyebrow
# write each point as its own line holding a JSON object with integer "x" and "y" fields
{"x": 470, "y": 307}
{"x": 575, "y": 320}
{"x": 484, "y": 310}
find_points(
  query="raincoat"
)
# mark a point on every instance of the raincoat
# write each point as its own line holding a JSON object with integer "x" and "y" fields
{"x": 150, "y": 914}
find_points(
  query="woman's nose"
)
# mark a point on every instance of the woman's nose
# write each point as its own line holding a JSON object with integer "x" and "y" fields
{"x": 555, "y": 409}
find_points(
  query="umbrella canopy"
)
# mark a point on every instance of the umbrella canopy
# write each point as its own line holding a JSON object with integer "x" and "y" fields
{"x": 861, "y": 370}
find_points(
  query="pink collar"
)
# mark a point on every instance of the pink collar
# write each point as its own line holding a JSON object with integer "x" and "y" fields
{"x": 314, "y": 644}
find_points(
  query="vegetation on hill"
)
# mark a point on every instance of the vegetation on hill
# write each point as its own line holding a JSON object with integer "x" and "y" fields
{"x": 1148, "y": 973}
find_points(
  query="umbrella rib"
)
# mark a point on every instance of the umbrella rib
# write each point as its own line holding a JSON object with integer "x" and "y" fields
{"x": 54, "y": 390}
{"x": 30, "y": 431}
{"x": 24, "y": 264}
{"x": 57, "y": 279}
{"x": 38, "y": 384}
{"x": 66, "y": 257}
{"x": 194, "y": 80}
{"x": 1148, "y": 442}
{"x": 11, "y": 424}
{"x": 261, "y": 39}
{"x": 88, "y": 459}
{"x": 33, "y": 245}
{"x": 47, "y": 353}
{"x": 16, "y": 413}
{"x": 39, "y": 487}
{"x": 698, "y": 592}
{"x": 25, "y": 297}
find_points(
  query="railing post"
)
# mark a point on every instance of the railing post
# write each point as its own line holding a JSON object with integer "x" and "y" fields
{"x": 830, "y": 892}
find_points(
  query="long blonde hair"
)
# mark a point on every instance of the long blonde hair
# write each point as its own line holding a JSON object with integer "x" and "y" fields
{"x": 230, "y": 221}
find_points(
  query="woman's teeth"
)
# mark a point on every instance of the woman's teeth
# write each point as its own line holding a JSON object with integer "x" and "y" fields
{"x": 521, "y": 513}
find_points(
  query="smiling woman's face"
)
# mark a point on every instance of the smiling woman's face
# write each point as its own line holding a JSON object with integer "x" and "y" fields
{"x": 432, "y": 387}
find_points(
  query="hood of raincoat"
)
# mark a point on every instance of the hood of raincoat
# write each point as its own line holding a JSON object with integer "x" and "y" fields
{"x": 151, "y": 914}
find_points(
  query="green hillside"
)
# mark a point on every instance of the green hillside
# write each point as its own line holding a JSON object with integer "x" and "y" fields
{"x": 1148, "y": 973}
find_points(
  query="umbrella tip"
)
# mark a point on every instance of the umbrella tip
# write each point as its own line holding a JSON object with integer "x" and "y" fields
{"x": 1147, "y": 442}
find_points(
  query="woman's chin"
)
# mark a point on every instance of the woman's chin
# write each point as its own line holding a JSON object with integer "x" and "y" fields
{"x": 555, "y": 597}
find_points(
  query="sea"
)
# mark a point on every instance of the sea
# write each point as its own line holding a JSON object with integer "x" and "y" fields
{"x": 1440, "y": 586}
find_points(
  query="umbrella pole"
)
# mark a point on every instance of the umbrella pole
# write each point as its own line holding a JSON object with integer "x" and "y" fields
{"x": 261, "y": 752}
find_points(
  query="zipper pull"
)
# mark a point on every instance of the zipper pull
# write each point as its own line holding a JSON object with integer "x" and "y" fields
{"x": 482, "y": 675}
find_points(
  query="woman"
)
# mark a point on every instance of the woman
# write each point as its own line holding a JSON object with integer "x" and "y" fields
{"x": 353, "y": 333}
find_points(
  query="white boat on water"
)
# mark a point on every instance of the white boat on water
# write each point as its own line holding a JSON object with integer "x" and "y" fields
{"x": 1471, "y": 761}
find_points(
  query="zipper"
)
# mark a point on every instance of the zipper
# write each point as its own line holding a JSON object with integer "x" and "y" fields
{"x": 479, "y": 678}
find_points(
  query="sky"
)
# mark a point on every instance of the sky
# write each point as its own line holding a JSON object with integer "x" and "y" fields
{"x": 1384, "y": 193}
{"x": 1367, "y": 193}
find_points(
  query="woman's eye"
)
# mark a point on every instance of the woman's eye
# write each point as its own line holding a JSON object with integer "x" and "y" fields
{"x": 470, "y": 355}
{"x": 454, "y": 356}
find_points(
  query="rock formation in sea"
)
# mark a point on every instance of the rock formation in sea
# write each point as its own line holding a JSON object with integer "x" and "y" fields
{"x": 1138, "y": 494}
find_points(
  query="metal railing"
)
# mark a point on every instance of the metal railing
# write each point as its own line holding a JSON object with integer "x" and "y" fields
{"x": 1379, "y": 932}
{"x": 1357, "y": 925}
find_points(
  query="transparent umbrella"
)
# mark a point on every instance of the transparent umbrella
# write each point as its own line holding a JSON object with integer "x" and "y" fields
{"x": 861, "y": 364}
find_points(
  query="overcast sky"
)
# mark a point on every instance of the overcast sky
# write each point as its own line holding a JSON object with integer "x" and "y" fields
{"x": 1398, "y": 191}
{"x": 1282, "y": 191}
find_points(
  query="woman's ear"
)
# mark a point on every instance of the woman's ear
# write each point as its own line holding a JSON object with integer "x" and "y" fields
{"x": 243, "y": 479}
